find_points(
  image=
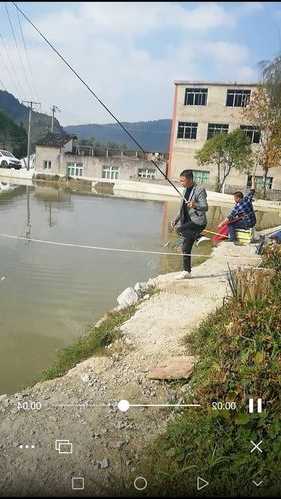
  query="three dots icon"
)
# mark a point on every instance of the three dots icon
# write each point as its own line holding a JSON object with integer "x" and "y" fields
{"x": 27, "y": 446}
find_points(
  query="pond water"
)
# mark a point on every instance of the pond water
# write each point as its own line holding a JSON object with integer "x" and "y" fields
{"x": 50, "y": 294}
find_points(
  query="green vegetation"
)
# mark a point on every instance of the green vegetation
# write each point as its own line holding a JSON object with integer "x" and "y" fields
{"x": 12, "y": 136}
{"x": 261, "y": 110}
{"x": 226, "y": 152}
{"x": 92, "y": 142}
{"x": 18, "y": 113}
{"x": 239, "y": 349}
{"x": 93, "y": 342}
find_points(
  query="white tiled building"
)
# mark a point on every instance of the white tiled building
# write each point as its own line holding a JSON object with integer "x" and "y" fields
{"x": 201, "y": 110}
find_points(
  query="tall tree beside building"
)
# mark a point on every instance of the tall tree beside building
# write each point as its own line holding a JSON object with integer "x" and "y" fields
{"x": 261, "y": 111}
{"x": 226, "y": 152}
{"x": 271, "y": 76}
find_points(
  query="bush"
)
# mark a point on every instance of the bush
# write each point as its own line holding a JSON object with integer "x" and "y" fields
{"x": 239, "y": 350}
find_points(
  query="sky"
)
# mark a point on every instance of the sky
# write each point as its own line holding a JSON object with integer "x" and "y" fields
{"x": 131, "y": 53}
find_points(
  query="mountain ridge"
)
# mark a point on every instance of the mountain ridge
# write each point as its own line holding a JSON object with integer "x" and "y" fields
{"x": 18, "y": 113}
{"x": 153, "y": 135}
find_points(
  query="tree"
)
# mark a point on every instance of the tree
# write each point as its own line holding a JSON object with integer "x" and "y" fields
{"x": 226, "y": 152}
{"x": 261, "y": 112}
{"x": 271, "y": 75}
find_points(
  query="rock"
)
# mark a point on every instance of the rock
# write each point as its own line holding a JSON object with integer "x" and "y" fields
{"x": 140, "y": 288}
{"x": 127, "y": 298}
{"x": 117, "y": 445}
{"x": 175, "y": 368}
{"x": 104, "y": 463}
{"x": 85, "y": 378}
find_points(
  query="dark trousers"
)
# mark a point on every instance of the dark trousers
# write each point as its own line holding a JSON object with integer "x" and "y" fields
{"x": 240, "y": 224}
{"x": 190, "y": 233}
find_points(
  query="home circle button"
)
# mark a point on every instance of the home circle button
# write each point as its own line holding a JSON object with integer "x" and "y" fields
{"x": 140, "y": 483}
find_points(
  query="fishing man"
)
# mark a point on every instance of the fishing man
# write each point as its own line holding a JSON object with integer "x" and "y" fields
{"x": 242, "y": 215}
{"x": 192, "y": 218}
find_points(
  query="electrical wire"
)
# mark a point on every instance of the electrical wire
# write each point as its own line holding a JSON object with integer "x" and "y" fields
{"x": 12, "y": 73}
{"x": 17, "y": 48}
{"x": 96, "y": 96}
{"x": 27, "y": 57}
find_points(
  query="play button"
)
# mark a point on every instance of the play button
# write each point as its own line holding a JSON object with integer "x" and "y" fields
{"x": 201, "y": 483}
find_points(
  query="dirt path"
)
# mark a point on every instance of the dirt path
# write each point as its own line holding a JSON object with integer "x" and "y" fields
{"x": 108, "y": 443}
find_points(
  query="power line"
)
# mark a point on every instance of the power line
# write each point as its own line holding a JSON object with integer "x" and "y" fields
{"x": 12, "y": 74}
{"x": 26, "y": 56}
{"x": 96, "y": 96}
{"x": 17, "y": 47}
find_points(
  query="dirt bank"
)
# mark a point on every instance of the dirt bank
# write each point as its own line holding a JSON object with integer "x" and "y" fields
{"x": 82, "y": 406}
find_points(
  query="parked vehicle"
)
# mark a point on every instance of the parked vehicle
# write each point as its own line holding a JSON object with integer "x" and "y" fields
{"x": 8, "y": 160}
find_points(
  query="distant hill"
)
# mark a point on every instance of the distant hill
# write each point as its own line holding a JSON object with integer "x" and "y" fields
{"x": 17, "y": 112}
{"x": 12, "y": 136}
{"x": 152, "y": 135}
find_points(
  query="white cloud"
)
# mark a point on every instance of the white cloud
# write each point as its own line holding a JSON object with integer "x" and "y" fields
{"x": 136, "y": 18}
{"x": 112, "y": 46}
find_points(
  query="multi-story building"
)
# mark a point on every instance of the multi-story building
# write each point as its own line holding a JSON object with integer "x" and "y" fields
{"x": 201, "y": 110}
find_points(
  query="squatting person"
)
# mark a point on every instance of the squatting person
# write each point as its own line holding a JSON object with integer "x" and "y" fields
{"x": 242, "y": 215}
{"x": 192, "y": 218}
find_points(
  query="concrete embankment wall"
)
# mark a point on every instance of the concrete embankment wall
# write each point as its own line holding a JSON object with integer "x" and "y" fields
{"x": 145, "y": 190}
{"x": 133, "y": 189}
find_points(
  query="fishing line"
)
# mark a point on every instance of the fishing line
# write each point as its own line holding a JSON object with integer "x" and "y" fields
{"x": 118, "y": 250}
{"x": 95, "y": 96}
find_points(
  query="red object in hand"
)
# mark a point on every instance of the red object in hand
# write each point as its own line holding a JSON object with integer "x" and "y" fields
{"x": 223, "y": 233}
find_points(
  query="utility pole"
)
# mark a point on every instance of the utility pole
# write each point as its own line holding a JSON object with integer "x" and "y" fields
{"x": 28, "y": 214}
{"x": 54, "y": 109}
{"x": 30, "y": 106}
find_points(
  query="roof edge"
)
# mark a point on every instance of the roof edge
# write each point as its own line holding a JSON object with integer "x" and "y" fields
{"x": 216, "y": 83}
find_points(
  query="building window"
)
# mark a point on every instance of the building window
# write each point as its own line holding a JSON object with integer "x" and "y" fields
{"x": 187, "y": 130}
{"x": 47, "y": 165}
{"x": 110, "y": 172}
{"x": 75, "y": 169}
{"x": 252, "y": 132}
{"x": 195, "y": 96}
{"x": 237, "y": 98}
{"x": 201, "y": 176}
{"x": 259, "y": 180}
{"x": 146, "y": 173}
{"x": 215, "y": 129}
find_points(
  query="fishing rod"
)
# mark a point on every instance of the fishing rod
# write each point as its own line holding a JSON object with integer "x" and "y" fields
{"x": 96, "y": 97}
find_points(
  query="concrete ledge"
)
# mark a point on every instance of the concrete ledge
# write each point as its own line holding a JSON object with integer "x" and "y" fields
{"x": 11, "y": 173}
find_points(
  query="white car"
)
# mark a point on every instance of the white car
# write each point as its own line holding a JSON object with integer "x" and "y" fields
{"x": 8, "y": 160}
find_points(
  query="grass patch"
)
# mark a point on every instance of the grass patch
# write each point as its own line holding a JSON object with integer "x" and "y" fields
{"x": 239, "y": 349}
{"x": 93, "y": 342}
